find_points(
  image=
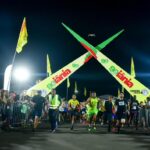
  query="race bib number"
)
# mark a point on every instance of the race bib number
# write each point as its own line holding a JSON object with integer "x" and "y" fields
{"x": 83, "y": 112}
{"x": 134, "y": 107}
{"x": 73, "y": 106}
{"x": 121, "y": 103}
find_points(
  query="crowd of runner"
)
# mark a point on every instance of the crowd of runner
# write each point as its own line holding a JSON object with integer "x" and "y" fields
{"x": 115, "y": 113}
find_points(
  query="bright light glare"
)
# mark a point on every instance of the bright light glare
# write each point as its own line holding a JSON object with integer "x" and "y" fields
{"x": 21, "y": 74}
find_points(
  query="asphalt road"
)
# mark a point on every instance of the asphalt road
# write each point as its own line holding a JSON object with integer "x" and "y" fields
{"x": 79, "y": 139}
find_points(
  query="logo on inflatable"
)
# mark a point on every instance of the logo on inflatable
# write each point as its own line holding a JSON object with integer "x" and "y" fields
{"x": 121, "y": 75}
{"x": 145, "y": 92}
{"x": 61, "y": 76}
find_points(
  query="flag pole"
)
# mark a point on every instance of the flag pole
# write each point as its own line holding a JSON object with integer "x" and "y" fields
{"x": 10, "y": 77}
{"x": 22, "y": 40}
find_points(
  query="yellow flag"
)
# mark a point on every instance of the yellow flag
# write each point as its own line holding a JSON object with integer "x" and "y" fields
{"x": 68, "y": 83}
{"x": 85, "y": 92}
{"x": 75, "y": 87}
{"x": 132, "y": 68}
{"x": 49, "y": 71}
{"x": 22, "y": 40}
{"x": 118, "y": 92}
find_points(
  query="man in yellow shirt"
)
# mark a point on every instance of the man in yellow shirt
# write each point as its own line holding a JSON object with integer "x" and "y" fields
{"x": 73, "y": 106}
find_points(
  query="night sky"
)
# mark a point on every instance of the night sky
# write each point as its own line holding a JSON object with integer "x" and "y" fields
{"x": 47, "y": 35}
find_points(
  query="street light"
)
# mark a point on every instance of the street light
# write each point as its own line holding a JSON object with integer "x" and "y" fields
{"x": 21, "y": 74}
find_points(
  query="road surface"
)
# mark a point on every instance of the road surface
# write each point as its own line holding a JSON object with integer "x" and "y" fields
{"x": 79, "y": 139}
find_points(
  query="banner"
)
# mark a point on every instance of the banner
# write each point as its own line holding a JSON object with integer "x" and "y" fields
{"x": 58, "y": 77}
{"x": 7, "y": 77}
{"x": 22, "y": 37}
{"x": 49, "y": 71}
{"x": 133, "y": 86}
{"x": 68, "y": 83}
{"x": 132, "y": 68}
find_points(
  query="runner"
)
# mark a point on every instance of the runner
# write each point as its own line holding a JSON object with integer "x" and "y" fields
{"x": 148, "y": 112}
{"x": 109, "y": 110}
{"x": 82, "y": 113}
{"x": 73, "y": 106}
{"x": 121, "y": 111}
{"x": 92, "y": 110}
{"x": 142, "y": 114}
{"x": 38, "y": 101}
{"x": 134, "y": 108}
{"x": 61, "y": 118}
{"x": 101, "y": 112}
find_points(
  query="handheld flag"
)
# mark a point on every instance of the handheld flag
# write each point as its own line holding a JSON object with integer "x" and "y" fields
{"x": 68, "y": 83}
{"x": 132, "y": 68}
{"x": 22, "y": 40}
{"x": 49, "y": 71}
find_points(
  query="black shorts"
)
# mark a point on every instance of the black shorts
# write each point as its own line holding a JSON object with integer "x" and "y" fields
{"x": 37, "y": 113}
{"x": 134, "y": 113}
{"x": 73, "y": 113}
{"x": 100, "y": 114}
{"x": 120, "y": 115}
{"x": 109, "y": 116}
